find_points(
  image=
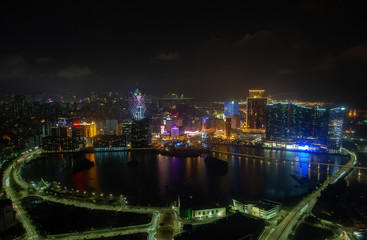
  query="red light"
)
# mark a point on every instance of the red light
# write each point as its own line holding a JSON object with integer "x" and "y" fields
{"x": 76, "y": 124}
{"x": 175, "y": 116}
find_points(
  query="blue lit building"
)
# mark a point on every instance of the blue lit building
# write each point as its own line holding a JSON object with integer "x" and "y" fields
{"x": 288, "y": 122}
{"x": 231, "y": 108}
{"x": 305, "y": 126}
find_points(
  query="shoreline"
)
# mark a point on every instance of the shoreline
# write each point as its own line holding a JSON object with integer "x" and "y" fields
{"x": 282, "y": 149}
{"x": 196, "y": 153}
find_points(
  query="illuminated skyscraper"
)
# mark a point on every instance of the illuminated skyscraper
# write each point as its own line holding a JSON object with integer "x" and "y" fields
{"x": 256, "y": 106}
{"x": 231, "y": 108}
{"x": 137, "y": 134}
{"x": 335, "y": 128}
{"x": 137, "y": 105}
{"x": 290, "y": 122}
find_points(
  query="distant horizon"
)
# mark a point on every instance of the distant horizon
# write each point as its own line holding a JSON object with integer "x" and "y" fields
{"x": 83, "y": 94}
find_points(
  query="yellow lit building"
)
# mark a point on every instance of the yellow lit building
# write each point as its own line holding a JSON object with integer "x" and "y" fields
{"x": 256, "y": 93}
{"x": 256, "y": 106}
{"x": 90, "y": 129}
{"x": 119, "y": 129}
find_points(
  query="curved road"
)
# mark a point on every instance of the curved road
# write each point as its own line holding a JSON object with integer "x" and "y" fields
{"x": 22, "y": 217}
{"x": 12, "y": 173}
{"x": 285, "y": 227}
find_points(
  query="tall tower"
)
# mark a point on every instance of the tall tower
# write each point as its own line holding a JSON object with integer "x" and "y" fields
{"x": 335, "y": 128}
{"x": 137, "y": 104}
{"x": 19, "y": 107}
{"x": 256, "y": 106}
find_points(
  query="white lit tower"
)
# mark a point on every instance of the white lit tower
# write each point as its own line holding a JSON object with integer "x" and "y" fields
{"x": 137, "y": 104}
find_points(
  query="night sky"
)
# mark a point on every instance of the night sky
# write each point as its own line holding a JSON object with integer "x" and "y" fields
{"x": 307, "y": 50}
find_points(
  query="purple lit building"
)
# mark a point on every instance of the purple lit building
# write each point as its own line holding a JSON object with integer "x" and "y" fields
{"x": 175, "y": 132}
{"x": 137, "y": 105}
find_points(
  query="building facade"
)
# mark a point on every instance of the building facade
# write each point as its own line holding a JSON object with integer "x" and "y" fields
{"x": 137, "y": 105}
{"x": 208, "y": 213}
{"x": 231, "y": 108}
{"x": 256, "y": 110}
{"x": 137, "y": 134}
{"x": 261, "y": 209}
{"x": 335, "y": 128}
{"x": 288, "y": 122}
{"x": 305, "y": 125}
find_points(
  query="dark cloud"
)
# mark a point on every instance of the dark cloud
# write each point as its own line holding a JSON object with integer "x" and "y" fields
{"x": 170, "y": 56}
{"x": 75, "y": 72}
{"x": 13, "y": 66}
{"x": 355, "y": 53}
{"x": 259, "y": 34}
{"x": 327, "y": 62}
{"x": 41, "y": 60}
{"x": 286, "y": 71}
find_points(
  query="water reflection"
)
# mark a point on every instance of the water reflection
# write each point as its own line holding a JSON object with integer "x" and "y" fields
{"x": 159, "y": 178}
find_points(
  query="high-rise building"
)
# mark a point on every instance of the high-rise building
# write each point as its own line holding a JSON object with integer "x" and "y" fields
{"x": 228, "y": 127}
{"x": 137, "y": 134}
{"x": 294, "y": 122}
{"x": 84, "y": 130}
{"x": 256, "y": 107}
{"x": 111, "y": 125}
{"x": 19, "y": 107}
{"x": 335, "y": 128}
{"x": 46, "y": 129}
{"x": 61, "y": 132}
{"x": 288, "y": 122}
{"x": 119, "y": 129}
{"x": 137, "y": 105}
{"x": 90, "y": 129}
{"x": 231, "y": 108}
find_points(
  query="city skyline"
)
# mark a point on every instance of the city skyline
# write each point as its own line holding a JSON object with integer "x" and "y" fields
{"x": 311, "y": 50}
{"x": 245, "y": 119}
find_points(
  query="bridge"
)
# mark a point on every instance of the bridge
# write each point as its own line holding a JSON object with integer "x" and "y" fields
{"x": 286, "y": 160}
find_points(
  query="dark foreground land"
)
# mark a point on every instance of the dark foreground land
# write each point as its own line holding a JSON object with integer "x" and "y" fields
{"x": 233, "y": 227}
{"x": 307, "y": 231}
{"x": 54, "y": 218}
{"x": 12, "y": 233}
{"x": 342, "y": 204}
